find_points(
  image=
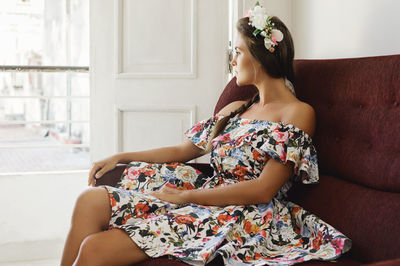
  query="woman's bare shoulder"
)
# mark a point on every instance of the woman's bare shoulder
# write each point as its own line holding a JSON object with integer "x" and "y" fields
{"x": 231, "y": 107}
{"x": 301, "y": 115}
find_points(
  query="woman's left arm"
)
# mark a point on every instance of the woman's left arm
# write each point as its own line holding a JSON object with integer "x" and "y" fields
{"x": 261, "y": 190}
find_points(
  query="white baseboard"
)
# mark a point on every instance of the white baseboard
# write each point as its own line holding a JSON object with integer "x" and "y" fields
{"x": 31, "y": 250}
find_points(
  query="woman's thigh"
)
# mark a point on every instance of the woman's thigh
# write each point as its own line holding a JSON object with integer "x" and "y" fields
{"x": 112, "y": 247}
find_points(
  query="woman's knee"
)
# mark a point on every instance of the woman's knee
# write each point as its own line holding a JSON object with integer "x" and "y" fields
{"x": 92, "y": 196}
{"x": 93, "y": 201}
{"x": 111, "y": 247}
{"x": 91, "y": 251}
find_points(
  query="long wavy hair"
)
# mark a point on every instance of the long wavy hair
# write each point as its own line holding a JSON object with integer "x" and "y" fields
{"x": 278, "y": 64}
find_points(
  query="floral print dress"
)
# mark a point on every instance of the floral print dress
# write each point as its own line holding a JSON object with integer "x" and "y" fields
{"x": 275, "y": 233}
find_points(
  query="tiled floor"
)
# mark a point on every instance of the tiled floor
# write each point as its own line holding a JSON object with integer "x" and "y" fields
{"x": 37, "y": 159}
{"x": 52, "y": 262}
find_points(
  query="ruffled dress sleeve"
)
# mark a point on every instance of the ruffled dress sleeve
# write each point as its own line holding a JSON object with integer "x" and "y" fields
{"x": 200, "y": 133}
{"x": 288, "y": 143}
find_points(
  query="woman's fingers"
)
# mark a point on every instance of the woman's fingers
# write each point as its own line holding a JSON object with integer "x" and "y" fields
{"x": 100, "y": 172}
{"x": 101, "y": 167}
{"x": 92, "y": 173}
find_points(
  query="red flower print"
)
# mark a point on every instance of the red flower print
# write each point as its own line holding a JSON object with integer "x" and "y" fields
{"x": 263, "y": 233}
{"x": 240, "y": 139}
{"x": 126, "y": 217}
{"x": 316, "y": 243}
{"x": 113, "y": 201}
{"x": 240, "y": 171}
{"x": 141, "y": 209}
{"x": 238, "y": 238}
{"x": 283, "y": 156}
{"x": 197, "y": 127}
{"x": 223, "y": 138}
{"x": 247, "y": 227}
{"x": 337, "y": 245}
{"x": 148, "y": 171}
{"x": 223, "y": 218}
{"x": 170, "y": 185}
{"x": 188, "y": 186}
{"x": 184, "y": 219}
{"x": 258, "y": 157}
{"x": 267, "y": 217}
{"x": 215, "y": 229}
{"x": 172, "y": 164}
{"x": 251, "y": 228}
{"x": 221, "y": 152}
{"x": 205, "y": 256}
{"x": 297, "y": 229}
{"x": 280, "y": 136}
{"x": 295, "y": 210}
{"x": 133, "y": 172}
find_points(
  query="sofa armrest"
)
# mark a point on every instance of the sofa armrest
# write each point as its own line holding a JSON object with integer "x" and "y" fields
{"x": 205, "y": 168}
{"x": 112, "y": 177}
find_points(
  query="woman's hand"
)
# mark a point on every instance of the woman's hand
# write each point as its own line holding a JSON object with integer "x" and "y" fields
{"x": 169, "y": 194}
{"x": 101, "y": 167}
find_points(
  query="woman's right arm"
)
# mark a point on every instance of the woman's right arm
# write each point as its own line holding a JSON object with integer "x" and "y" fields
{"x": 183, "y": 152}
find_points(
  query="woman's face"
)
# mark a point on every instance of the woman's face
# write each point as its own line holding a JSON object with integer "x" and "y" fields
{"x": 243, "y": 63}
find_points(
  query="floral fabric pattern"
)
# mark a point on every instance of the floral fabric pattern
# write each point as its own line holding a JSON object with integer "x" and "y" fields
{"x": 275, "y": 233}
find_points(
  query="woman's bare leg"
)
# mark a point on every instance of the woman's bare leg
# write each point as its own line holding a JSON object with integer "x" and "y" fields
{"x": 91, "y": 215}
{"x": 112, "y": 247}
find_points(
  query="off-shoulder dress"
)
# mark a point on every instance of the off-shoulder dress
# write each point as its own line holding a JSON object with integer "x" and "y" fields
{"x": 273, "y": 233}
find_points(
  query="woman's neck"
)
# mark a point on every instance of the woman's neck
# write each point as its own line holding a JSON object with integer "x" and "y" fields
{"x": 272, "y": 90}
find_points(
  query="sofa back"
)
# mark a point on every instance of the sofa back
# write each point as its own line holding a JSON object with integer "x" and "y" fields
{"x": 357, "y": 137}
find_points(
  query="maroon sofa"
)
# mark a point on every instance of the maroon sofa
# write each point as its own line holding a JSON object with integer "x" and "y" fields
{"x": 357, "y": 103}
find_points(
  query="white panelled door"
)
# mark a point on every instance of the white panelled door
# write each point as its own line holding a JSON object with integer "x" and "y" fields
{"x": 157, "y": 67}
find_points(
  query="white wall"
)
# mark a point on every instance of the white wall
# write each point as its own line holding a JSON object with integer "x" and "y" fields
{"x": 342, "y": 28}
{"x": 338, "y": 28}
{"x": 36, "y": 212}
{"x": 279, "y": 8}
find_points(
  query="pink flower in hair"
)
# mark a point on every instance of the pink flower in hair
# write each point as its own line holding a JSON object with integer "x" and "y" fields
{"x": 274, "y": 40}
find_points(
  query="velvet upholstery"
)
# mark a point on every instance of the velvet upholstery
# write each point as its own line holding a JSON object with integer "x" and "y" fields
{"x": 357, "y": 103}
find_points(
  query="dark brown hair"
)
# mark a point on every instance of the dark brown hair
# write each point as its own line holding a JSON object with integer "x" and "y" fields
{"x": 277, "y": 64}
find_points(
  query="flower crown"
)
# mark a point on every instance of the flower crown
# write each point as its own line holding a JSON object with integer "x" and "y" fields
{"x": 259, "y": 19}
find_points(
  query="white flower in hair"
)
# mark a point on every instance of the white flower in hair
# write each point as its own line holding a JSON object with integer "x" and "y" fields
{"x": 277, "y": 34}
{"x": 259, "y": 19}
{"x": 268, "y": 43}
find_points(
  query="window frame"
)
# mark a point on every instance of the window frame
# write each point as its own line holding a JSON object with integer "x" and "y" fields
{"x": 59, "y": 69}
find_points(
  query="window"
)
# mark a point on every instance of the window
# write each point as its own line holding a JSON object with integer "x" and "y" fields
{"x": 44, "y": 86}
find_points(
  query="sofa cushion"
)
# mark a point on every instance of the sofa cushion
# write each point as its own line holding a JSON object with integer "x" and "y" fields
{"x": 369, "y": 217}
{"x": 357, "y": 103}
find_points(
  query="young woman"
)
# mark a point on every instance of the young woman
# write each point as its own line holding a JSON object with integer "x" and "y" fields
{"x": 258, "y": 149}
